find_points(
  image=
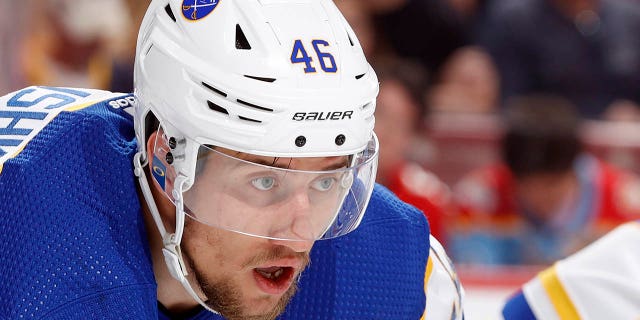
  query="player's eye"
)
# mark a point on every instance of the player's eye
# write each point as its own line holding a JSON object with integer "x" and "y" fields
{"x": 264, "y": 183}
{"x": 324, "y": 184}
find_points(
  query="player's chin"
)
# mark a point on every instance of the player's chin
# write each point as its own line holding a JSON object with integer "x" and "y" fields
{"x": 270, "y": 306}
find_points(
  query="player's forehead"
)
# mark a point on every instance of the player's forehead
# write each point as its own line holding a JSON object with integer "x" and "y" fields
{"x": 300, "y": 163}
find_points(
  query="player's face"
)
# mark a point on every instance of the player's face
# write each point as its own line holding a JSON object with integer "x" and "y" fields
{"x": 278, "y": 198}
{"x": 248, "y": 277}
{"x": 544, "y": 194}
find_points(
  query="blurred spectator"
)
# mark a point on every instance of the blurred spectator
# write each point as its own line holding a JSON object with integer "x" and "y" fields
{"x": 437, "y": 34}
{"x": 12, "y": 23}
{"x": 587, "y": 51}
{"x": 546, "y": 199}
{"x": 4, "y": 43}
{"x": 474, "y": 15}
{"x": 122, "y": 71}
{"x": 74, "y": 42}
{"x": 399, "y": 114}
{"x": 427, "y": 31}
{"x": 468, "y": 82}
{"x": 622, "y": 110}
{"x": 357, "y": 14}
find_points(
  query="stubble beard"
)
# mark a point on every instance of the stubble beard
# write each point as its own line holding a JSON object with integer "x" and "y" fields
{"x": 223, "y": 296}
{"x": 225, "y": 299}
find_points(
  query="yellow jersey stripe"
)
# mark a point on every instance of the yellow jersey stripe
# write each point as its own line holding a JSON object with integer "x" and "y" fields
{"x": 82, "y": 106}
{"x": 557, "y": 294}
{"x": 427, "y": 276}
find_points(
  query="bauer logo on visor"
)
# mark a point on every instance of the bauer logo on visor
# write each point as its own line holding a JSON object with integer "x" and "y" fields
{"x": 198, "y": 9}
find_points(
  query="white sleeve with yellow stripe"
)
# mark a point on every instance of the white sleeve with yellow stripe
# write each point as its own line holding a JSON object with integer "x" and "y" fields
{"x": 602, "y": 281}
{"x": 442, "y": 287}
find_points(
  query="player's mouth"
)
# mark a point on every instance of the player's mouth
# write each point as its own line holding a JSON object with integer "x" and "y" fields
{"x": 276, "y": 278}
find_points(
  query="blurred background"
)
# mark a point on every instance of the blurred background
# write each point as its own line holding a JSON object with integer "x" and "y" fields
{"x": 512, "y": 124}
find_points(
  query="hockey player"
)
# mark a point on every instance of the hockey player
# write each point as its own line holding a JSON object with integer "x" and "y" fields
{"x": 602, "y": 281}
{"x": 249, "y": 138}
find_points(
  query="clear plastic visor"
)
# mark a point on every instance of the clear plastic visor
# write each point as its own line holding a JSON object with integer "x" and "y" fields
{"x": 280, "y": 198}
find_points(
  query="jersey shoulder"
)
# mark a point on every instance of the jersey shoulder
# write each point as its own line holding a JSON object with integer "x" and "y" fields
{"x": 52, "y": 100}
{"x": 70, "y": 210}
{"x": 586, "y": 284}
{"x": 37, "y": 115}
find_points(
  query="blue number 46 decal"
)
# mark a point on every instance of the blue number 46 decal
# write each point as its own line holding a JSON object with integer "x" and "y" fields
{"x": 299, "y": 55}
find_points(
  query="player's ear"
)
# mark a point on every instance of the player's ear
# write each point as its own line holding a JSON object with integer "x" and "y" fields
{"x": 150, "y": 143}
{"x": 157, "y": 149}
{"x": 158, "y": 174}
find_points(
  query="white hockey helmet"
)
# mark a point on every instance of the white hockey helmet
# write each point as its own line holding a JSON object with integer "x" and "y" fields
{"x": 265, "y": 77}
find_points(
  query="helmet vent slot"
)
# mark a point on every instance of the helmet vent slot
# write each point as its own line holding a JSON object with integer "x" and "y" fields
{"x": 214, "y": 89}
{"x": 241, "y": 40}
{"x": 254, "y": 106}
{"x": 366, "y": 106}
{"x": 249, "y": 119}
{"x": 170, "y": 12}
{"x": 358, "y": 77}
{"x": 260, "y": 78}
{"x": 350, "y": 40}
{"x": 217, "y": 108}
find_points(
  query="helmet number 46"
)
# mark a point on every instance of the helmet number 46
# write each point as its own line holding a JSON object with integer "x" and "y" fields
{"x": 299, "y": 55}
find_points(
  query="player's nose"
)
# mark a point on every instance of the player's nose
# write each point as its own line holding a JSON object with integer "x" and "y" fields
{"x": 297, "y": 229}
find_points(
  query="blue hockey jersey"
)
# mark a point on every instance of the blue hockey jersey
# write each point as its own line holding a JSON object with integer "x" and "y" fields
{"x": 75, "y": 244}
